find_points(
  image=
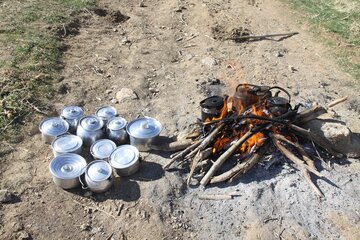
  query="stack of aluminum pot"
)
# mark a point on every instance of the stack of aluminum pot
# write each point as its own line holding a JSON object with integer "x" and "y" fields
{"x": 112, "y": 144}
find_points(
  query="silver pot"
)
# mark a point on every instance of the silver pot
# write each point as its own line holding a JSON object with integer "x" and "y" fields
{"x": 90, "y": 129}
{"x": 105, "y": 113}
{"x": 143, "y": 132}
{"x": 101, "y": 149}
{"x": 72, "y": 114}
{"x": 66, "y": 170}
{"x": 67, "y": 144}
{"x": 125, "y": 160}
{"x": 52, "y": 127}
{"x": 116, "y": 130}
{"x": 98, "y": 176}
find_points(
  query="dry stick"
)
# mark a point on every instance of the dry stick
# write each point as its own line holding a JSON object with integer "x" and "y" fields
{"x": 294, "y": 158}
{"x": 182, "y": 154}
{"x": 316, "y": 139}
{"x": 315, "y": 111}
{"x": 337, "y": 101}
{"x": 215, "y": 196}
{"x": 263, "y": 36}
{"x": 306, "y": 157}
{"x": 201, "y": 155}
{"x": 206, "y": 141}
{"x": 228, "y": 153}
{"x": 173, "y": 146}
{"x": 240, "y": 167}
{"x": 299, "y": 163}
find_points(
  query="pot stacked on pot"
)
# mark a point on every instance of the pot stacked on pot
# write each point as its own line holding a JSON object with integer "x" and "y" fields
{"x": 105, "y": 137}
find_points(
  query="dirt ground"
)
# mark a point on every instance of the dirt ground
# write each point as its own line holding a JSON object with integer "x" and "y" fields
{"x": 170, "y": 53}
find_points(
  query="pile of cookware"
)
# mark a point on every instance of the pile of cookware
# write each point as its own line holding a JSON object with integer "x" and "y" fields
{"x": 112, "y": 144}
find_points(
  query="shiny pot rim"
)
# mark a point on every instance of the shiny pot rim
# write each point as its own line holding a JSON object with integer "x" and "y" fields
{"x": 45, "y": 131}
{"x": 126, "y": 150}
{"x": 144, "y": 128}
{"x": 99, "y": 126}
{"x": 95, "y": 150}
{"x": 77, "y": 140}
{"x": 106, "y": 112}
{"x": 56, "y": 166}
{"x": 98, "y": 171}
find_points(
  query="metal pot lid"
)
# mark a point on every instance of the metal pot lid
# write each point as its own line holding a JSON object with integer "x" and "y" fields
{"x": 72, "y": 112}
{"x": 124, "y": 156}
{"x": 106, "y": 112}
{"x": 54, "y": 126}
{"x": 116, "y": 123}
{"x": 102, "y": 148}
{"x": 91, "y": 123}
{"x": 67, "y": 166}
{"x": 98, "y": 170}
{"x": 144, "y": 127}
{"x": 66, "y": 143}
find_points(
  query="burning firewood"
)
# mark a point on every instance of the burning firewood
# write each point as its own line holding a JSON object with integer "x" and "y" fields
{"x": 244, "y": 125}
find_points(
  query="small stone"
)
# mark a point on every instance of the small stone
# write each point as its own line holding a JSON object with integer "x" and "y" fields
{"x": 153, "y": 90}
{"x": 279, "y": 54}
{"x": 6, "y": 196}
{"x": 142, "y": 4}
{"x": 88, "y": 194}
{"x": 209, "y": 61}
{"x": 23, "y": 235}
{"x": 126, "y": 93}
{"x": 108, "y": 91}
{"x": 292, "y": 69}
{"x": 115, "y": 30}
{"x": 114, "y": 101}
{"x": 85, "y": 227}
{"x": 214, "y": 81}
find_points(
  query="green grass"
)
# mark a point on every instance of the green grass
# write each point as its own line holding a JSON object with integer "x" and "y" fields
{"x": 33, "y": 52}
{"x": 336, "y": 21}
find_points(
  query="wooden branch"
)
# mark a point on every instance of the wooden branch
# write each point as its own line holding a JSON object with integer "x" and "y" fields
{"x": 215, "y": 196}
{"x": 201, "y": 155}
{"x": 239, "y": 168}
{"x": 302, "y": 167}
{"x": 206, "y": 141}
{"x": 263, "y": 36}
{"x": 182, "y": 154}
{"x": 337, "y": 101}
{"x": 228, "y": 153}
{"x": 173, "y": 146}
{"x": 316, "y": 111}
{"x": 318, "y": 140}
{"x": 297, "y": 146}
{"x": 291, "y": 156}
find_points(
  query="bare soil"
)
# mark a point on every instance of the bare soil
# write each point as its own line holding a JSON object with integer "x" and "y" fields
{"x": 170, "y": 53}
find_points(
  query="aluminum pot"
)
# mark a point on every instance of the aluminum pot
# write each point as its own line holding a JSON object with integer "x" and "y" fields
{"x": 66, "y": 170}
{"x": 101, "y": 149}
{"x": 98, "y": 176}
{"x": 52, "y": 127}
{"x": 67, "y": 144}
{"x": 125, "y": 160}
{"x": 72, "y": 114}
{"x": 105, "y": 113}
{"x": 116, "y": 130}
{"x": 90, "y": 129}
{"x": 143, "y": 132}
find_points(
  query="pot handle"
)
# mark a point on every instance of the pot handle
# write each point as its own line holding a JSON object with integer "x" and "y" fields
{"x": 83, "y": 186}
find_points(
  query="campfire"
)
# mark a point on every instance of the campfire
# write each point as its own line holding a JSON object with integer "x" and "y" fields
{"x": 242, "y": 127}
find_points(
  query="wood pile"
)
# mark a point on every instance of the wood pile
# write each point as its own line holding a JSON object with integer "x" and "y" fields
{"x": 242, "y": 131}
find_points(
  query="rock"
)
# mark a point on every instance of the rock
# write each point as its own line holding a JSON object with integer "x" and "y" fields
{"x": 108, "y": 91}
{"x": 23, "y": 235}
{"x": 209, "y": 61}
{"x": 292, "y": 69}
{"x": 214, "y": 81}
{"x": 6, "y": 196}
{"x": 114, "y": 101}
{"x": 337, "y": 134}
{"x": 153, "y": 90}
{"x": 125, "y": 93}
{"x": 85, "y": 227}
